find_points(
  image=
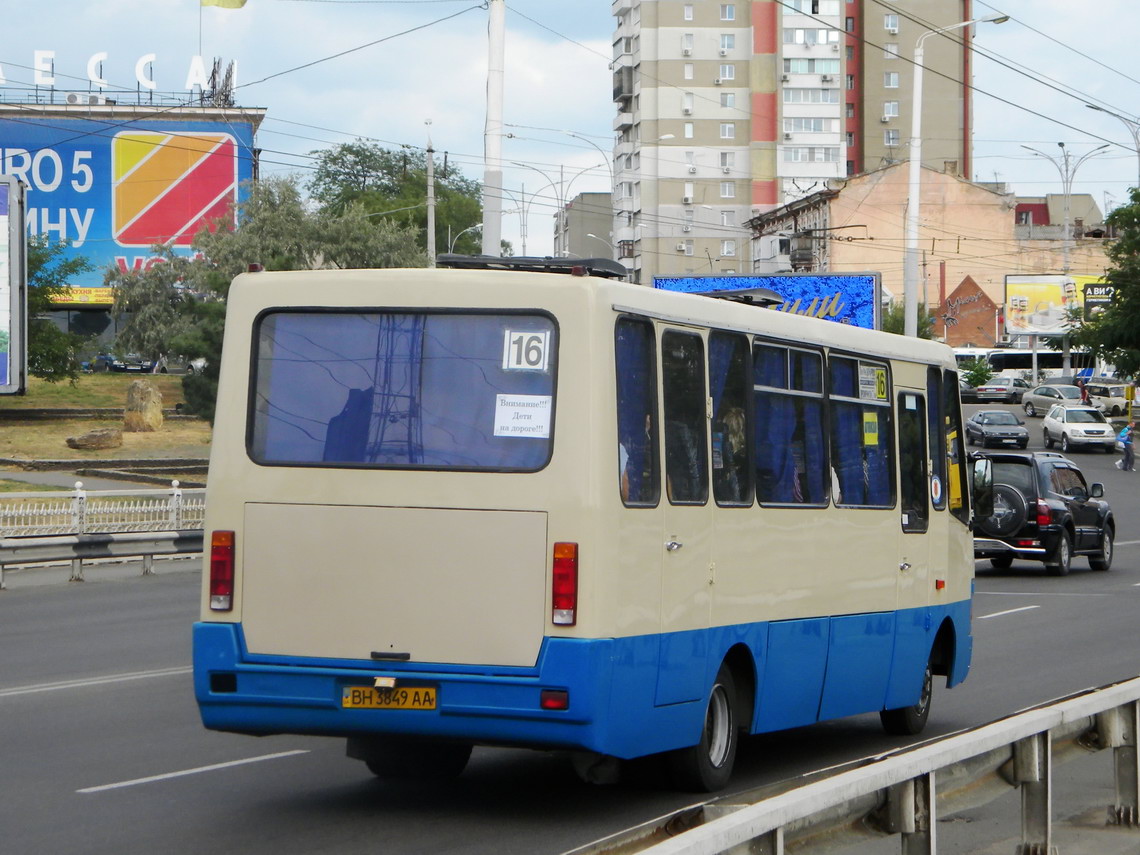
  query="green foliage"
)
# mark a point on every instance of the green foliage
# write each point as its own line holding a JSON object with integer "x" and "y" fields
{"x": 894, "y": 320}
{"x": 391, "y": 186}
{"x": 152, "y": 305}
{"x": 53, "y": 354}
{"x": 976, "y": 372}
{"x": 1114, "y": 335}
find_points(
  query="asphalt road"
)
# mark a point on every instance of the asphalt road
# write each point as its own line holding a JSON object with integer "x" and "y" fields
{"x": 102, "y": 750}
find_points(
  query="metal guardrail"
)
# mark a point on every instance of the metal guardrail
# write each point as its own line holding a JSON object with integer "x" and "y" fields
{"x": 83, "y": 525}
{"x": 906, "y": 792}
{"x": 82, "y": 511}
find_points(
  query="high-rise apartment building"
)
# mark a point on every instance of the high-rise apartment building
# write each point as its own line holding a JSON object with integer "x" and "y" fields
{"x": 727, "y": 110}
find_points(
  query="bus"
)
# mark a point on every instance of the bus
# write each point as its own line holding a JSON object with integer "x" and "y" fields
{"x": 449, "y": 508}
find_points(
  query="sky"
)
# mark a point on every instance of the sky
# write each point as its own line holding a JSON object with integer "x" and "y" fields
{"x": 331, "y": 71}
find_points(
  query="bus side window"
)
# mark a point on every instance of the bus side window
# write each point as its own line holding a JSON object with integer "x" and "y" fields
{"x": 861, "y": 436}
{"x": 635, "y": 359}
{"x": 791, "y": 449}
{"x": 729, "y": 370}
{"x": 683, "y": 390}
{"x": 936, "y": 435}
{"x": 955, "y": 489}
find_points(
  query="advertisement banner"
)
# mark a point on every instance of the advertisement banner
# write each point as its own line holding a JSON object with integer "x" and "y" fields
{"x": 846, "y": 298}
{"x": 1042, "y": 304}
{"x": 112, "y": 189}
{"x": 13, "y": 340}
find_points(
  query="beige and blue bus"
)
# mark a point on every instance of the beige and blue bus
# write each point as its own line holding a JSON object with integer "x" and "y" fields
{"x": 460, "y": 507}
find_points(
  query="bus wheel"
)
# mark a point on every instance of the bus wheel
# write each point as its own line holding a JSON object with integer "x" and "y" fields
{"x": 707, "y": 766}
{"x": 908, "y": 721}
{"x": 404, "y": 758}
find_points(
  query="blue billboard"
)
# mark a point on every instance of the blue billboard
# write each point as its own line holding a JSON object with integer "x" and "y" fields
{"x": 846, "y": 298}
{"x": 112, "y": 189}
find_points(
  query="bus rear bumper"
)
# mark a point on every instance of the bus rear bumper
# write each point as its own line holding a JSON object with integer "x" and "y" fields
{"x": 263, "y": 695}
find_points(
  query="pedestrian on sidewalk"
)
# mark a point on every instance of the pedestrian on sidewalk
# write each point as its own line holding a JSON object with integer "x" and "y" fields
{"x": 1125, "y": 437}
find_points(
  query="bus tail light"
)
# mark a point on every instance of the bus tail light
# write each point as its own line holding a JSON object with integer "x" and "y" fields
{"x": 1043, "y": 516}
{"x": 222, "y": 571}
{"x": 564, "y": 588}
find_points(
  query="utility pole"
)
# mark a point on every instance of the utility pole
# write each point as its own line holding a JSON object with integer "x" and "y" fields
{"x": 493, "y": 131}
{"x": 430, "y": 198}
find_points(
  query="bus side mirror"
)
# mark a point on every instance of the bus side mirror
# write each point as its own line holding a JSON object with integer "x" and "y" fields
{"x": 982, "y": 492}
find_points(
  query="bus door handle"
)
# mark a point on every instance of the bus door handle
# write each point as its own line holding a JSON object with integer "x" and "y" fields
{"x": 904, "y": 566}
{"x": 673, "y": 545}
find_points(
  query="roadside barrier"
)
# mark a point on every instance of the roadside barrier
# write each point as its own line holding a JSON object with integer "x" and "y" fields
{"x": 897, "y": 793}
{"x": 78, "y": 525}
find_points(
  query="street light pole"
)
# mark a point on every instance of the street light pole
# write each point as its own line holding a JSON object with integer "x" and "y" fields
{"x": 914, "y": 183}
{"x": 1067, "y": 171}
{"x": 1133, "y": 128}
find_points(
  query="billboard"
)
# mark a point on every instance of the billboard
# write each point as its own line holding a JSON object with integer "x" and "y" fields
{"x": 113, "y": 188}
{"x": 846, "y": 298}
{"x": 13, "y": 327}
{"x": 1041, "y": 304}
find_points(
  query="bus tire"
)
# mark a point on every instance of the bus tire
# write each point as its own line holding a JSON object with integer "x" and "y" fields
{"x": 707, "y": 766}
{"x": 909, "y": 721}
{"x": 408, "y": 758}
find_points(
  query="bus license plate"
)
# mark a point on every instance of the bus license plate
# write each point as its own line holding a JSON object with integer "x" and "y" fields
{"x": 409, "y": 698}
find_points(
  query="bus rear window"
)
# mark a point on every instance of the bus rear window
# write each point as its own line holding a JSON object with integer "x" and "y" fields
{"x": 387, "y": 389}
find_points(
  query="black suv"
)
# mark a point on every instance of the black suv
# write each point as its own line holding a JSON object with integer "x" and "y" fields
{"x": 1044, "y": 511}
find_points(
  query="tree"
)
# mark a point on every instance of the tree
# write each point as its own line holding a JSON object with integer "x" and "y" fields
{"x": 52, "y": 352}
{"x": 1114, "y": 334}
{"x": 894, "y": 320}
{"x": 976, "y": 372}
{"x": 391, "y": 185}
{"x": 151, "y": 304}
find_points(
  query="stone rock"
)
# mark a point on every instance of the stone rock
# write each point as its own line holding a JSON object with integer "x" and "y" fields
{"x": 143, "y": 413}
{"x": 97, "y": 439}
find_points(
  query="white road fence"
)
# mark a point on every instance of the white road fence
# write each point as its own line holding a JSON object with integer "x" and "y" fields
{"x": 81, "y": 525}
{"x": 81, "y": 511}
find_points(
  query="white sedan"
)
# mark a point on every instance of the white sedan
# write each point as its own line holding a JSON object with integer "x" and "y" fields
{"x": 1076, "y": 427}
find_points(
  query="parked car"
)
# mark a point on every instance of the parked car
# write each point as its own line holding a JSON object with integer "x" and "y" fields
{"x": 1009, "y": 390}
{"x": 1111, "y": 396}
{"x": 1040, "y": 400}
{"x": 1044, "y": 510}
{"x": 132, "y": 362}
{"x": 967, "y": 393}
{"x": 179, "y": 365}
{"x": 996, "y": 427}
{"x": 1076, "y": 427}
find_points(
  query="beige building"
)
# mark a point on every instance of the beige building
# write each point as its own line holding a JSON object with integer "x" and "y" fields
{"x": 965, "y": 230}
{"x": 728, "y": 110}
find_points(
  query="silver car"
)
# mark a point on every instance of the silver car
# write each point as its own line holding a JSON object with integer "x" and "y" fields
{"x": 1040, "y": 400}
{"x": 1078, "y": 427}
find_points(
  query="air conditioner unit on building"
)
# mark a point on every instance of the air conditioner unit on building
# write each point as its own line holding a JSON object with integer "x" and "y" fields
{"x": 724, "y": 51}
{"x": 835, "y": 48}
{"x": 688, "y": 111}
{"x": 86, "y": 98}
{"x": 726, "y": 169}
{"x": 686, "y": 51}
{"x": 825, "y": 78}
{"x": 783, "y": 78}
{"x": 680, "y": 247}
{"x": 884, "y": 119}
{"x": 894, "y": 31}
{"x": 686, "y": 228}
{"x": 686, "y": 200}
{"x": 716, "y": 81}
{"x": 692, "y": 170}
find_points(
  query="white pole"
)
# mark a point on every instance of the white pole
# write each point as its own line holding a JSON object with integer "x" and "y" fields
{"x": 430, "y": 199}
{"x": 493, "y": 132}
{"x": 913, "y": 195}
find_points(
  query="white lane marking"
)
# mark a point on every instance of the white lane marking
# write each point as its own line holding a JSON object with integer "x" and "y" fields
{"x": 1008, "y": 612}
{"x": 1126, "y": 543}
{"x": 1037, "y": 594}
{"x": 183, "y": 773}
{"x": 93, "y": 681}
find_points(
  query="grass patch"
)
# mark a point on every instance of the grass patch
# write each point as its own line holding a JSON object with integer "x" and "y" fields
{"x": 92, "y": 390}
{"x": 46, "y": 440}
{"x": 9, "y": 486}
